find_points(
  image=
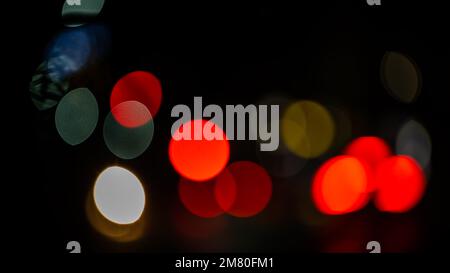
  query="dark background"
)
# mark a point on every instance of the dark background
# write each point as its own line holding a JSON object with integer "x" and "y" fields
{"x": 230, "y": 53}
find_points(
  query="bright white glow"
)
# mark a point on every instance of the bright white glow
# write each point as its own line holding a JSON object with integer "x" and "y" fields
{"x": 119, "y": 195}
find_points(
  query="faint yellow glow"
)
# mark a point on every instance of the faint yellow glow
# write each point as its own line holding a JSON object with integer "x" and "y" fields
{"x": 401, "y": 76}
{"x": 307, "y": 129}
{"x": 119, "y": 196}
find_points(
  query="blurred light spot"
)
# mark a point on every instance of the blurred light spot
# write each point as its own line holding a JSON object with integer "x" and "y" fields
{"x": 124, "y": 142}
{"x": 199, "y": 160}
{"x": 72, "y": 50}
{"x": 117, "y": 232}
{"x": 413, "y": 140}
{"x": 200, "y": 198}
{"x": 340, "y": 186}
{"x": 76, "y": 116}
{"x": 252, "y": 189}
{"x": 371, "y": 151}
{"x": 78, "y": 12}
{"x": 401, "y": 184}
{"x": 307, "y": 129}
{"x": 131, "y": 114}
{"x": 280, "y": 163}
{"x": 139, "y": 86}
{"x": 119, "y": 195}
{"x": 68, "y": 53}
{"x": 45, "y": 93}
{"x": 401, "y": 76}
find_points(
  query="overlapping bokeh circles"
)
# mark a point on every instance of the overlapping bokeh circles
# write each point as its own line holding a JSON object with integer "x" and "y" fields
{"x": 248, "y": 193}
{"x": 307, "y": 129}
{"x": 116, "y": 204}
{"x": 401, "y": 184}
{"x": 281, "y": 163}
{"x": 371, "y": 151}
{"x": 340, "y": 186}
{"x": 139, "y": 86}
{"x": 128, "y": 142}
{"x": 200, "y": 198}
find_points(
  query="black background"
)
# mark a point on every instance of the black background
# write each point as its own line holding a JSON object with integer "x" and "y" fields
{"x": 231, "y": 53}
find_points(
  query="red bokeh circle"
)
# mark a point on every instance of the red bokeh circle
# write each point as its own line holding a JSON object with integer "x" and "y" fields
{"x": 139, "y": 86}
{"x": 401, "y": 184}
{"x": 199, "y": 160}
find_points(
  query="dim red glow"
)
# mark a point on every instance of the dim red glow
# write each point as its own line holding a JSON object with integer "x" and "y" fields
{"x": 199, "y": 160}
{"x": 401, "y": 184}
{"x": 199, "y": 198}
{"x": 138, "y": 86}
{"x": 131, "y": 114}
{"x": 340, "y": 186}
{"x": 371, "y": 151}
{"x": 252, "y": 189}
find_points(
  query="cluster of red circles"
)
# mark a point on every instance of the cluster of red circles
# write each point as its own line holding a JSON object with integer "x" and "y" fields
{"x": 368, "y": 170}
{"x": 208, "y": 187}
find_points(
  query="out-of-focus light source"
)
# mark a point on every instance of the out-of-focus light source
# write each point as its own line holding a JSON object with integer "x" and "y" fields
{"x": 75, "y": 49}
{"x": 199, "y": 160}
{"x": 68, "y": 53}
{"x": 400, "y": 184}
{"x": 281, "y": 163}
{"x": 413, "y": 140}
{"x": 119, "y": 196}
{"x": 76, "y": 116}
{"x": 116, "y": 232}
{"x": 401, "y": 76}
{"x": 248, "y": 193}
{"x": 340, "y": 186}
{"x": 45, "y": 93}
{"x": 200, "y": 198}
{"x": 128, "y": 142}
{"x": 371, "y": 151}
{"x": 139, "y": 86}
{"x": 307, "y": 129}
{"x": 78, "y": 12}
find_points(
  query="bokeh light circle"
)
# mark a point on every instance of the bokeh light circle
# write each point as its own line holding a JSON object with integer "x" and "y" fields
{"x": 307, "y": 129}
{"x": 400, "y": 184}
{"x": 125, "y": 142}
{"x": 199, "y": 160}
{"x": 413, "y": 140}
{"x": 139, "y": 86}
{"x": 401, "y": 76}
{"x": 371, "y": 151}
{"x": 340, "y": 186}
{"x": 76, "y": 116}
{"x": 119, "y": 195}
{"x": 248, "y": 193}
{"x": 200, "y": 198}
